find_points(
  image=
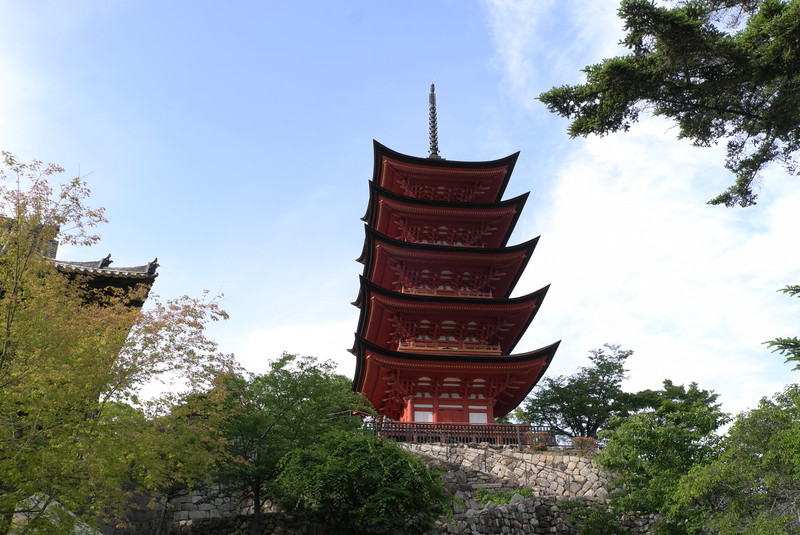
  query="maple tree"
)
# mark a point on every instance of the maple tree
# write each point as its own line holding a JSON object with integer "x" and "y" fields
{"x": 67, "y": 352}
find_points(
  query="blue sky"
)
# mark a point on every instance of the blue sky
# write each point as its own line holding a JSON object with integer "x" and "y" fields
{"x": 234, "y": 143}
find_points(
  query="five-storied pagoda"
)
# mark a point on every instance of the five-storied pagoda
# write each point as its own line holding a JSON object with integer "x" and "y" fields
{"x": 437, "y": 323}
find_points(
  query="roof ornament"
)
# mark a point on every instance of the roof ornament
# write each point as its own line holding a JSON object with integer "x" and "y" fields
{"x": 433, "y": 126}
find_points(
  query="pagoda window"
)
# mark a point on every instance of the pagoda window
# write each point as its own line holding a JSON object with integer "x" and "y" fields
{"x": 423, "y": 417}
{"x": 478, "y": 418}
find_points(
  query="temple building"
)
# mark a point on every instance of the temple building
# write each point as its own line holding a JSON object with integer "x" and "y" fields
{"x": 100, "y": 275}
{"x": 437, "y": 324}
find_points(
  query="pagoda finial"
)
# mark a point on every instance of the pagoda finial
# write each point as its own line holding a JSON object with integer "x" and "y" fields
{"x": 433, "y": 126}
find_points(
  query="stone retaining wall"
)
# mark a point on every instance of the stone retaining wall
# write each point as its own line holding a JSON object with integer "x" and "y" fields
{"x": 560, "y": 474}
{"x": 550, "y": 475}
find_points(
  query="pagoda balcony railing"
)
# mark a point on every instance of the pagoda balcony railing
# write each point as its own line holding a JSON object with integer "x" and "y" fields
{"x": 448, "y": 345}
{"x": 522, "y": 435}
{"x": 444, "y": 292}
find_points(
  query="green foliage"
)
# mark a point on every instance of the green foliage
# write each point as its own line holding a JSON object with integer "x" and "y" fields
{"x": 591, "y": 518}
{"x": 357, "y": 483}
{"x": 66, "y": 356}
{"x": 752, "y": 487}
{"x": 650, "y": 452}
{"x": 581, "y": 404}
{"x": 789, "y": 347}
{"x": 501, "y": 497}
{"x": 296, "y": 403}
{"x": 721, "y": 69}
{"x": 538, "y": 440}
{"x": 584, "y": 445}
{"x": 175, "y": 446}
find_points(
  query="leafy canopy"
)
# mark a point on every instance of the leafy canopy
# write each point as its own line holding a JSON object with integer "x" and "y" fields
{"x": 721, "y": 69}
{"x": 652, "y": 450}
{"x": 68, "y": 353}
{"x": 358, "y": 483}
{"x": 296, "y": 403}
{"x": 788, "y": 346}
{"x": 582, "y": 403}
{"x": 752, "y": 487}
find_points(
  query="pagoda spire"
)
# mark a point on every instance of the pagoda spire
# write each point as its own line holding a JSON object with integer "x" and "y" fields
{"x": 433, "y": 127}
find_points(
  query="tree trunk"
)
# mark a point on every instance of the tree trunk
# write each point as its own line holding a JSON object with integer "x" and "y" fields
{"x": 255, "y": 520}
{"x": 162, "y": 517}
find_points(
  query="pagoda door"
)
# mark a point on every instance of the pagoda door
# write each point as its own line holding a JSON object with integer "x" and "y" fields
{"x": 454, "y": 416}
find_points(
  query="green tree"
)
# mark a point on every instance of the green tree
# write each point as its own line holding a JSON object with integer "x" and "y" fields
{"x": 651, "y": 451}
{"x": 175, "y": 446}
{"x": 582, "y": 403}
{"x": 296, "y": 403}
{"x": 67, "y": 352}
{"x": 752, "y": 487}
{"x": 357, "y": 483}
{"x": 789, "y": 347}
{"x": 721, "y": 69}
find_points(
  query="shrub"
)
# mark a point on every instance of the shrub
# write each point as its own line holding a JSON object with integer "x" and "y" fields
{"x": 591, "y": 519}
{"x": 584, "y": 445}
{"x": 539, "y": 440}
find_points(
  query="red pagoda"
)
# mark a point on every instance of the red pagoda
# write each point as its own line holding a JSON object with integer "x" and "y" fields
{"x": 437, "y": 326}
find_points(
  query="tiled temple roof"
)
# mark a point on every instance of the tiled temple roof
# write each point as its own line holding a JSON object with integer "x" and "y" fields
{"x": 103, "y": 268}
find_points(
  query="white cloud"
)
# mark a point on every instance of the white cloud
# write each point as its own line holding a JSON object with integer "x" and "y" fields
{"x": 326, "y": 341}
{"x": 636, "y": 257}
{"x": 633, "y": 253}
{"x": 534, "y": 40}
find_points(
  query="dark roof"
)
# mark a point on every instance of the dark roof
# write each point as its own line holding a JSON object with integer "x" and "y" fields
{"x": 371, "y": 378}
{"x": 507, "y": 211}
{"x": 103, "y": 268}
{"x": 508, "y": 163}
{"x": 516, "y": 257}
{"x": 372, "y": 297}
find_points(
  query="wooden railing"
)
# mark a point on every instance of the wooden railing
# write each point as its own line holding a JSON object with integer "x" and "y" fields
{"x": 498, "y": 434}
{"x": 453, "y": 345}
{"x": 445, "y": 292}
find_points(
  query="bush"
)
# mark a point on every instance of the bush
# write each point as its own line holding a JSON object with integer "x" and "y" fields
{"x": 584, "y": 445}
{"x": 539, "y": 440}
{"x": 591, "y": 519}
{"x": 358, "y": 483}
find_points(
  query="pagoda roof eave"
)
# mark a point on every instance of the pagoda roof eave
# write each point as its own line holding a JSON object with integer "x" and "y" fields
{"x": 378, "y": 193}
{"x": 463, "y": 255}
{"x": 452, "y": 356}
{"x": 381, "y": 152}
{"x": 508, "y": 364}
{"x": 368, "y": 285}
{"x": 528, "y": 305}
{"x": 372, "y": 236}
